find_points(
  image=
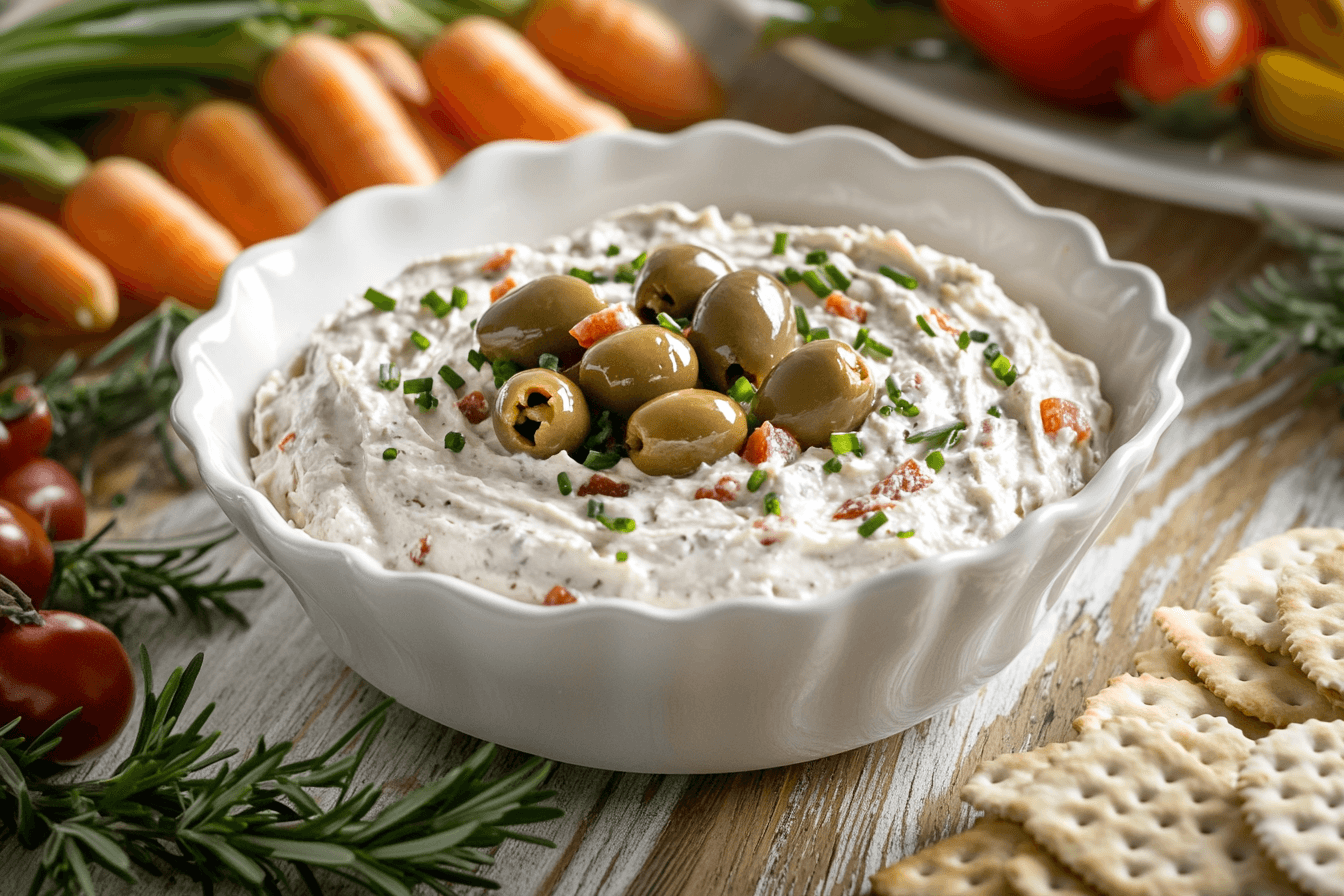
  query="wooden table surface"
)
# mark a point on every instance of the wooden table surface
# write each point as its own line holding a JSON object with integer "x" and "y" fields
{"x": 1246, "y": 459}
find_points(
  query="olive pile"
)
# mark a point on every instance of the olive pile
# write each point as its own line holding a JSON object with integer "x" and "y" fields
{"x": 668, "y": 387}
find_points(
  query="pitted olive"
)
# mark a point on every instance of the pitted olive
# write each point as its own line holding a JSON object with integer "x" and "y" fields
{"x": 633, "y": 366}
{"x": 820, "y": 388}
{"x": 540, "y": 413}
{"x": 674, "y": 434}
{"x": 535, "y": 319}
{"x": 743, "y": 325}
{"x": 674, "y": 278}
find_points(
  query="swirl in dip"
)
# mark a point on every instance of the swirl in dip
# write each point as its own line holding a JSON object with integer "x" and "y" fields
{"x": 977, "y": 418}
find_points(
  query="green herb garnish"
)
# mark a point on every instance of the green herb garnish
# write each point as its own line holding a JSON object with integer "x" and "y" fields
{"x": 799, "y": 315}
{"x": 389, "y": 376}
{"x": 837, "y": 277}
{"x": 460, "y": 299}
{"x": 562, "y": 481}
{"x": 639, "y": 260}
{"x": 613, "y": 250}
{"x": 873, "y": 347}
{"x": 454, "y": 442}
{"x": 665, "y": 320}
{"x": 893, "y": 392}
{"x": 586, "y": 276}
{"x": 389, "y": 454}
{"x": 872, "y": 524}
{"x": 791, "y": 276}
{"x": 813, "y": 281}
{"x": 963, "y": 340}
{"x": 901, "y": 279}
{"x": 935, "y": 461}
{"x": 772, "y": 507}
{"x": 435, "y": 302}
{"x": 420, "y": 340}
{"x": 993, "y": 411}
{"x": 833, "y": 465}
{"x": 742, "y": 391}
{"x": 622, "y": 556}
{"x": 846, "y": 442}
{"x": 924, "y": 325}
{"x": 381, "y": 301}
{"x": 943, "y": 437}
{"x": 816, "y": 256}
{"x": 476, "y": 359}
{"x": 417, "y": 385}
{"x": 503, "y": 369}
{"x": 817, "y": 333}
{"x": 781, "y": 243}
{"x": 886, "y": 410}
{"x": 756, "y": 480}
{"x": 978, "y": 336}
{"x": 602, "y": 460}
{"x": 451, "y": 377}
{"x": 860, "y": 339}
{"x": 549, "y": 362}
{"x": 426, "y": 401}
{"x": 906, "y": 533}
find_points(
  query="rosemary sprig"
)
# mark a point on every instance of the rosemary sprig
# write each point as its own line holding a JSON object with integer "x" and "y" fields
{"x": 87, "y": 411}
{"x": 1287, "y": 307}
{"x": 176, "y": 804}
{"x": 101, "y": 579}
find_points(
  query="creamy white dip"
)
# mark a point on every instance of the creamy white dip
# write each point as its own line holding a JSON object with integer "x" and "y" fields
{"x": 322, "y": 429}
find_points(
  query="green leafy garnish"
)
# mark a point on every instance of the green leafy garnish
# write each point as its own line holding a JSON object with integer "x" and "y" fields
{"x": 872, "y": 524}
{"x": 381, "y": 301}
{"x": 900, "y": 279}
{"x": 454, "y": 442}
{"x": 756, "y": 480}
{"x": 417, "y": 385}
{"x": 389, "y": 454}
{"x": 451, "y": 377}
{"x": 943, "y": 437}
{"x": 814, "y": 283}
{"x": 436, "y": 303}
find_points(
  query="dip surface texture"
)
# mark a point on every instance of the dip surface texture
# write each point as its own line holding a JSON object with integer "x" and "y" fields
{"x": 322, "y": 429}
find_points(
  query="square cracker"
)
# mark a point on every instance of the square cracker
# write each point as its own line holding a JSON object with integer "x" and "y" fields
{"x": 997, "y": 785}
{"x": 1134, "y": 813}
{"x": 1292, "y": 790}
{"x": 1311, "y": 611}
{"x": 1249, "y": 679}
{"x": 1165, "y": 662}
{"x": 967, "y": 864}
{"x": 1245, "y": 587}
{"x": 1162, "y": 700}
{"x": 1034, "y": 872}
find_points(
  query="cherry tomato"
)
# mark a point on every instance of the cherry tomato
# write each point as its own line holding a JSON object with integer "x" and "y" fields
{"x": 46, "y": 490}
{"x": 26, "y": 555}
{"x": 1187, "y": 45}
{"x": 25, "y": 425}
{"x": 48, "y": 670}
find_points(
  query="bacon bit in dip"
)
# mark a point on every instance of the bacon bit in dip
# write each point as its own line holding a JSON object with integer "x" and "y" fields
{"x": 1060, "y": 413}
{"x": 725, "y": 490}
{"x": 904, "y": 480}
{"x": 943, "y": 323}
{"x": 771, "y": 444}
{"x": 498, "y": 262}
{"x": 601, "y": 324}
{"x": 284, "y": 443}
{"x": 421, "y": 550}
{"x": 501, "y": 289}
{"x": 605, "y": 486}
{"x": 474, "y": 407}
{"x": 559, "y": 595}
{"x": 842, "y": 305}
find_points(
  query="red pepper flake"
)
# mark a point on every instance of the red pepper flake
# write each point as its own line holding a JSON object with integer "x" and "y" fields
{"x": 1060, "y": 413}
{"x": 501, "y": 289}
{"x": 601, "y": 324}
{"x": 284, "y": 443}
{"x": 904, "y": 480}
{"x": 598, "y": 484}
{"x": 421, "y": 551}
{"x": 769, "y": 524}
{"x": 498, "y": 263}
{"x": 474, "y": 408}
{"x": 842, "y": 305}
{"x": 559, "y": 595}
{"x": 725, "y": 490}
{"x": 771, "y": 444}
{"x": 942, "y": 320}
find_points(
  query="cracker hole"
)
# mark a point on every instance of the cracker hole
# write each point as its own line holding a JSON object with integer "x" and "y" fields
{"x": 1337, "y": 653}
{"x": 1335, "y": 801}
{"x": 980, "y": 877}
{"x": 1282, "y": 764}
{"x": 1320, "y": 744}
{"x": 1085, "y": 819}
{"x": 928, "y": 869}
{"x": 1317, "y": 602}
{"x": 1238, "y": 853}
{"x": 998, "y": 776}
{"x": 1112, "y": 770}
{"x": 1146, "y": 795}
{"x": 1322, "y": 857}
{"x": 1274, "y": 661}
{"x": 1136, "y": 869}
{"x": 1135, "y": 841}
{"x": 1207, "y": 826}
{"x": 1088, "y": 791}
{"x": 1167, "y": 821}
{"x": 1186, "y": 868}
{"x": 1303, "y": 825}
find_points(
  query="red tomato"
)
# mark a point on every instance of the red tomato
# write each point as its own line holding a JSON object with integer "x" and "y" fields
{"x": 48, "y": 670}
{"x": 1069, "y": 51}
{"x": 26, "y": 556}
{"x": 1189, "y": 45}
{"x": 46, "y": 490}
{"x": 25, "y": 426}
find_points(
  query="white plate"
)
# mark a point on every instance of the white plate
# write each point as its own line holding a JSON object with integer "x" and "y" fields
{"x": 982, "y": 109}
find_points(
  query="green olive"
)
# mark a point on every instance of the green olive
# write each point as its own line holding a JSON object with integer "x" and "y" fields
{"x": 535, "y": 319}
{"x": 674, "y": 434}
{"x": 633, "y": 366}
{"x": 540, "y": 413}
{"x": 674, "y": 278}
{"x": 820, "y": 388}
{"x": 743, "y": 325}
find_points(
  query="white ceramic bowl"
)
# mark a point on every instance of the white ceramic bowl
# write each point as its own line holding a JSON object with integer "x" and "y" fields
{"x": 731, "y": 686}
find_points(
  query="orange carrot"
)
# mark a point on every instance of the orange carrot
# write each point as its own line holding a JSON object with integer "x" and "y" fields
{"x": 45, "y": 273}
{"x": 352, "y": 130}
{"x": 153, "y": 236}
{"x": 630, "y": 55}
{"x": 226, "y": 157}
{"x": 494, "y": 85}
{"x": 401, "y": 75}
{"x": 141, "y": 132}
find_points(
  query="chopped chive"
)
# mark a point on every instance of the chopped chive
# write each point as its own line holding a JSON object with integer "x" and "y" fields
{"x": 503, "y": 369}
{"x": 781, "y": 243}
{"x": 683, "y": 322}
{"x": 772, "y": 504}
{"x": 548, "y": 361}
{"x": 625, "y": 274}
{"x": 924, "y": 325}
{"x": 622, "y": 524}
{"x": 381, "y": 301}
{"x": 613, "y": 249}
{"x": 935, "y": 461}
{"x": 816, "y": 256}
{"x": 979, "y": 336}
{"x": 742, "y": 391}
{"x": 752, "y": 421}
{"x": 476, "y": 359}
{"x": 963, "y": 340}
{"x": 833, "y": 465}
{"x": 389, "y": 376}
{"x": 585, "y": 276}
{"x": 665, "y": 320}
{"x": 791, "y": 276}
{"x": 434, "y": 302}
{"x": 563, "y": 482}
{"x": 943, "y": 437}
{"x": 594, "y": 508}
{"x": 846, "y": 442}
{"x": 389, "y": 454}
{"x": 472, "y": 325}
{"x": 873, "y": 347}
{"x": 994, "y": 411}
{"x": 601, "y": 432}
{"x": 420, "y": 339}
{"x": 1010, "y": 377}
{"x": 837, "y": 277}
{"x": 454, "y": 442}
{"x": 907, "y": 409}
{"x": 622, "y": 556}
{"x": 426, "y": 401}
{"x": 872, "y": 524}
{"x": 818, "y": 333}
{"x": 886, "y": 410}
{"x": 860, "y": 339}
{"x": 799, "y": 315}
{"x": 756, "y": 480}
{"x": 814, "y": 283}
{"x": 417, "y": 385}
{"x": 991, "y": 352}
{"x": 639, "y": 260}
{"x": 602, "y": 460}
{"x": 902, "y": 279}
{"x": 906, "y": 533}
{"x": 893, "y": 392}
{"x": 460, "y": 298}
{"x": 1001, "y": 366}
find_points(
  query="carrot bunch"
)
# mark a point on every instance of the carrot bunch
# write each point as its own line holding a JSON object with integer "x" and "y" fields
{"x": 182, "y": 180}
